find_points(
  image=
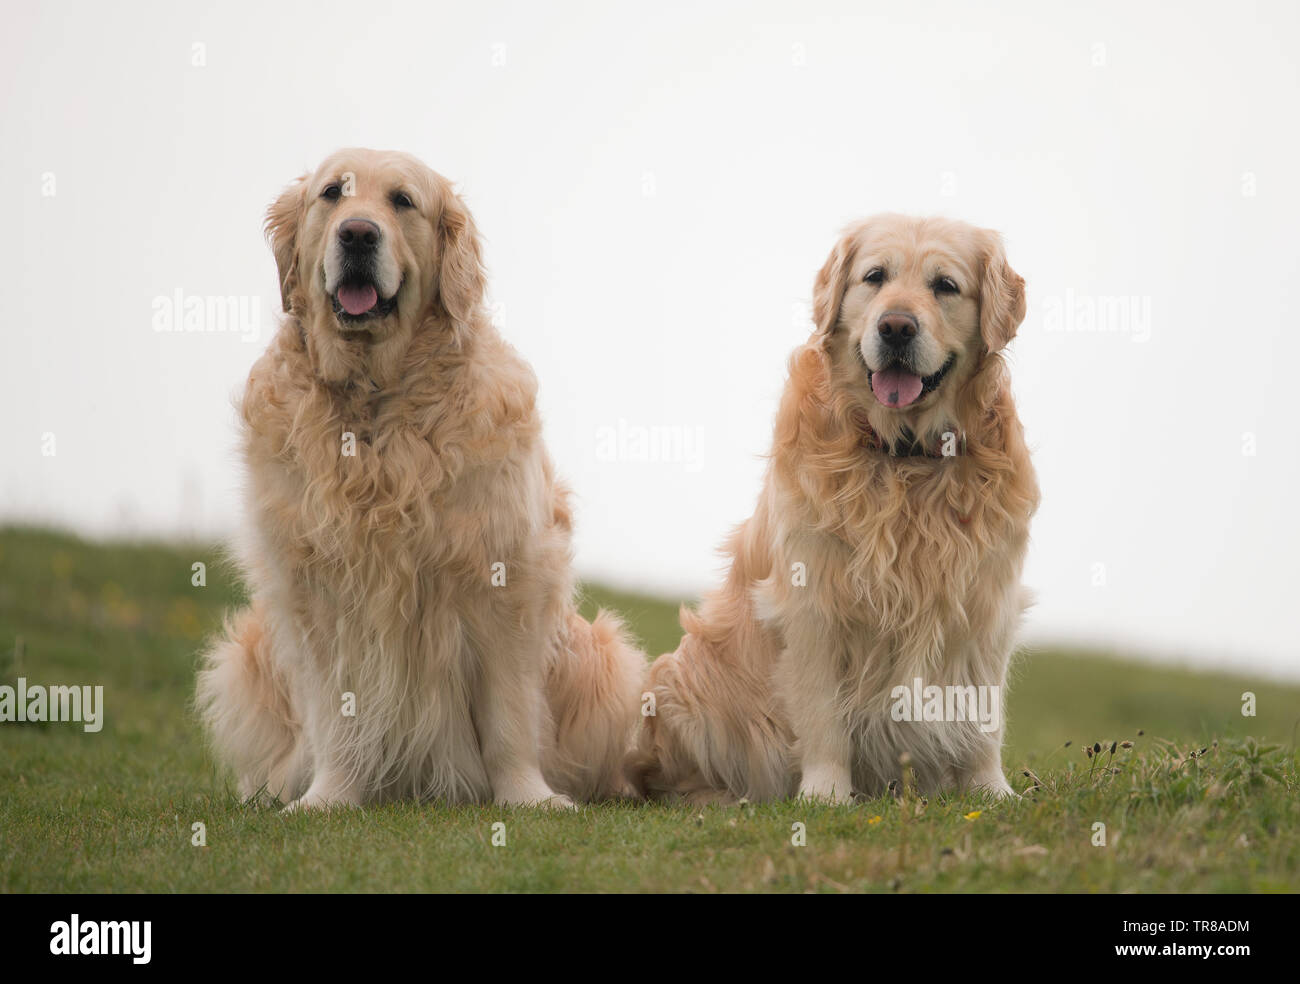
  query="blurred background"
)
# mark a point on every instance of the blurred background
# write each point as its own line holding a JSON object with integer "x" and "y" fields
{"x": 657, "y": 186}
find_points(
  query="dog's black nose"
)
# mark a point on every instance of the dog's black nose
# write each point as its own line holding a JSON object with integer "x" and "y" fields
{"x": 359, "y": 234}
{"x": 896, "y": 328}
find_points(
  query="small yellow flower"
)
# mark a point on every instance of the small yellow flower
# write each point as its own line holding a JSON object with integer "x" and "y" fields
{"x": 974, "y": 814}
{"x": 876, "y": 819}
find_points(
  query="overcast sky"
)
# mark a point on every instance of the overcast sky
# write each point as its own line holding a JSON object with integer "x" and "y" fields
{"x": 657, "y": 186}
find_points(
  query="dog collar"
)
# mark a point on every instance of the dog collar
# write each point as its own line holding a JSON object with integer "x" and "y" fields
{"x": 952, "y": 444}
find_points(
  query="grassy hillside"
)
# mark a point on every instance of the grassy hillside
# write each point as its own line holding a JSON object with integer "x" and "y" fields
{"x": 114, "y": 811}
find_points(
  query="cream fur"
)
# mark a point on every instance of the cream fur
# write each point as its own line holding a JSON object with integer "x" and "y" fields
{"x": 373, "y": 574}
{"x": 912, "y": 564}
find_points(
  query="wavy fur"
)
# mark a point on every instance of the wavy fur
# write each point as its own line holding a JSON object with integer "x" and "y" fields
{"x": 372, "y": 574}
{"x": 912, "y": 564}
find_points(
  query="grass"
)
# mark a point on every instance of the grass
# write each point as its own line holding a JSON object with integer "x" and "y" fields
{"x": 114, "y": 811}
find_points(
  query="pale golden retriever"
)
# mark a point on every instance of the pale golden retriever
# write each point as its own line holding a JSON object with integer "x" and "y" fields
{"x": 869, "y": 613}
{"x": 412, "y": 631}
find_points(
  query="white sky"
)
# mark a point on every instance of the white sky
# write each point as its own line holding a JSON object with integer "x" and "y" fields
{"x": 657, "y": 186}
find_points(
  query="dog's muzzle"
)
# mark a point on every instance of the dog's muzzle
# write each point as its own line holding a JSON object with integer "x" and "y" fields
{"x": 358, "y": 296}
{"x": 897, "y": 386}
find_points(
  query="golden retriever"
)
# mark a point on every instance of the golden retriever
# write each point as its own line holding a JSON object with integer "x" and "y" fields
{"x": 873, "y": 596}
{"x": 412, "y": 631}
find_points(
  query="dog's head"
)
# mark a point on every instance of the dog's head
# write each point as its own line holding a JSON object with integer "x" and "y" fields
{"x": 909, "y": 310}
{"x": 371, "y": 245}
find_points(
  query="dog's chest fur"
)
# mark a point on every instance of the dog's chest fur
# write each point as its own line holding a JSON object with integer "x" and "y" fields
{"x": 366, "y": 485}
{"x": 388, "y": 511}
{"x": 908, "y": 551}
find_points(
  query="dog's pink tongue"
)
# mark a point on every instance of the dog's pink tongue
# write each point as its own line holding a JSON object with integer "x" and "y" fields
{"x": 896, "y": 387}
{"x": 358, "y": 300}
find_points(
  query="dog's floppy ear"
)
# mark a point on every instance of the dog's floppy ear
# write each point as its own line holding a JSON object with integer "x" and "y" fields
{"x": 828, "y": 288}
{"x": 461, "y": 282}
{"x": 282, "y": 221}
{"x": 1002, "y": 296}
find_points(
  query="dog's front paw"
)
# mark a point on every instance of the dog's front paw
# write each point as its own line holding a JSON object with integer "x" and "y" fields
{"x": 311, "y": 804}
{"x": 552, "y": 801}
{"x": 530, "y": 791}
{"x": 996, "y": 790}
{"x": 558, "y": 802}
{"x": 323, "y": 796}
{"x": 827, "y": 784}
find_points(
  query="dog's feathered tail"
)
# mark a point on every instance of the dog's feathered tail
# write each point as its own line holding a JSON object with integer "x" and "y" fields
{"x": 246, "y": 712}
{"x": 593, "y": 688}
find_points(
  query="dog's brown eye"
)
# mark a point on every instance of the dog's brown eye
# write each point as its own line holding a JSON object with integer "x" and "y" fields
{"x": 332, "y": 192}
{"x": 876, "y": 275}
{"x": 401, "y": 199}
{"x": 946, "y": 285}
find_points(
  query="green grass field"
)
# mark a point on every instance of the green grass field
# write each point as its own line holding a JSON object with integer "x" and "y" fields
{"x": 114, "y": 811}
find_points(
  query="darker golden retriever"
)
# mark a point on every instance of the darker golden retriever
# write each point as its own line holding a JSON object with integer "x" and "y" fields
{"x": 412, "y": 631}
